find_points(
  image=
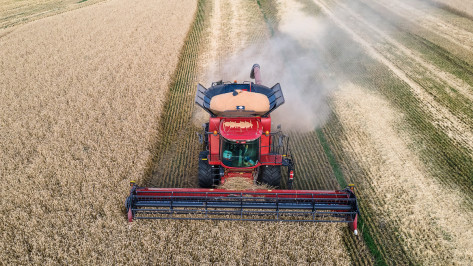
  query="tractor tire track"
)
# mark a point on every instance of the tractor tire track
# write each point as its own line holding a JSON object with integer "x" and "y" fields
{"x": 313, "y": 168}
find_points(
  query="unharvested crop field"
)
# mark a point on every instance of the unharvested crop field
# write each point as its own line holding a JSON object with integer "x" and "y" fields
{"x": 94, "y": 97}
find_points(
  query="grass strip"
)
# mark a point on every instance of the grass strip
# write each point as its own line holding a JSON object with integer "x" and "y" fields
{"x": 269, "y": 10}
{"x": 370, "y": 243}
{"x": 365, "y": 231}
{"x": 331, "y": 158}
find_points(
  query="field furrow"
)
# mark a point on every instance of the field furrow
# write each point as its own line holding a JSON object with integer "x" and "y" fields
{"x": 392, "y": 48}
{"x": 381, "y": 240}
{"x": 368, "y": 74}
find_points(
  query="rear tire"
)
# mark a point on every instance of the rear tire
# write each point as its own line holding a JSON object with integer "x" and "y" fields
{"x": 205, "y": 171}
{"x": 271, "y": 175}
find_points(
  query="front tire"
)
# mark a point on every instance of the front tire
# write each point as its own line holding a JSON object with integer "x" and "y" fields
{"x": 271, "y": 175}
{"x": 205, "y": 171}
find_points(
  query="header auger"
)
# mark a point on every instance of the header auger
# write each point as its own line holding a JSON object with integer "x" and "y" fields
{"x": 238, "y": 142}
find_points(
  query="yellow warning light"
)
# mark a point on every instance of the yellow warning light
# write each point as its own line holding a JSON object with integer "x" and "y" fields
{"x": 352, "y": 187}
{"x": 267, "y": 133}
{"x": 215, "y": 133}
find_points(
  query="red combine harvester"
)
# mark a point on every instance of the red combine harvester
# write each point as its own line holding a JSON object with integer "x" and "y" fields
{"x": 238, "y": 142}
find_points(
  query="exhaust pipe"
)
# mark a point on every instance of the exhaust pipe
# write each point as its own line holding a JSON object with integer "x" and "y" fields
{"x": 256, "y": 74}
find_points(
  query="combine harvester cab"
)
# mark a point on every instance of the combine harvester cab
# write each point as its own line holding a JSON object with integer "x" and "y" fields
{"x": 238, "y": 142}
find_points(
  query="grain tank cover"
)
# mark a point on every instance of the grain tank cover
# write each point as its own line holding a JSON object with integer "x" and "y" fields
{"x": 239, "y": 100}
{"x": 241, "y": 129}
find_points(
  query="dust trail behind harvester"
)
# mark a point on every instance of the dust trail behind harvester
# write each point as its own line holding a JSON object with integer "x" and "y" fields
{"x": 297, "y": 58}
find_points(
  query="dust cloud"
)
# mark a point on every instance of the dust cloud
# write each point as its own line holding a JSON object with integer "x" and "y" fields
{"x": 300, "y": 57}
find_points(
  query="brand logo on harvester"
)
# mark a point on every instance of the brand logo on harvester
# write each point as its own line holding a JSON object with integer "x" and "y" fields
{"x": 241, "y": 124}
{"x": 240, "y": 107}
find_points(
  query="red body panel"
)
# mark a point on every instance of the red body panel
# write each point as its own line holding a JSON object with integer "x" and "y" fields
{"x": 354, "y": 224}
{"x": 241, "y": 129}
{"x": 214, "y": 141}
{"x": 266, "y": 122}
{"x": 271, "y": 159}
{"x": 265, "y": 139}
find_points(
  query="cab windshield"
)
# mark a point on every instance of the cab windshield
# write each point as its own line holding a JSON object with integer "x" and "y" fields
{"x": 239, "y": 154}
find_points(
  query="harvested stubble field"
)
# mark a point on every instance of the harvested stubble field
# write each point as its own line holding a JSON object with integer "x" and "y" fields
{"x": 402, "y": 130}
{"x": 95, "y": 97}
